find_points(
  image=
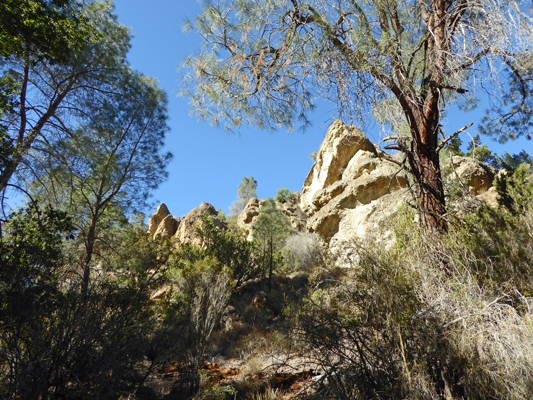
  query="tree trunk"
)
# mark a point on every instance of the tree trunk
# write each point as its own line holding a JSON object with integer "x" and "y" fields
{"x": 91, "y": 239}
{"x": 89, "y": 249}
{"x": 431, "y": 191}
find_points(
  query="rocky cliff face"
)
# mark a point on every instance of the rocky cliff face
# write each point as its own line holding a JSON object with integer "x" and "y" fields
{"x": 350, "y": 191}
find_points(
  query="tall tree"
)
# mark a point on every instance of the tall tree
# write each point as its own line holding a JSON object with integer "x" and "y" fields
{"x": 270, "y": 231}
{"x": 110, "y": 162}
{"x": 247, "y": 190}
{"x": 403, "y": 61}
{"x": 52, "y": 81}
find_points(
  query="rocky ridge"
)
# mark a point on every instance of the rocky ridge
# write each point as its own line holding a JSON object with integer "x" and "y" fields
{"x": 350, "y": 192}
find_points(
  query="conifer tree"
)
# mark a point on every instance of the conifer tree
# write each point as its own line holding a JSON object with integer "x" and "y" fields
{"x": 246, "y": 191}
{"x": 401, "y": 62}
{"x": 270, "y": 232}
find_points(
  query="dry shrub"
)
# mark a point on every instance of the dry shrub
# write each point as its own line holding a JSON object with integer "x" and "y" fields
{"x": 261, "y": 343}
{"x": 434, "y": 316}
{"x": 304, "y": 251}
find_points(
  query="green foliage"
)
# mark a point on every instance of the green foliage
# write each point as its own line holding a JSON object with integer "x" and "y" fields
{"x": 512, "y": 162}
{"x": 221, "y": 215}
{"x": 89, "y": 71}
{"x": 515, "y": 191}
{"x": 246, "y": 191}
{"x": 212, "y": 391}
{"x": 231, "y": 250}
{"x": 454, "y": 146}
{"x": 410, "y": 322}
{"x": 270, "y": 232}
{"x": 199, "y": 295}
{"x": 48, "y": 29}
{"x": 266, "y": 61}
{"x": 313, "y": 156}
{"x": 481, "y": 152}
{"x": 284, "y": 195}
{"x": 56, "y": 343}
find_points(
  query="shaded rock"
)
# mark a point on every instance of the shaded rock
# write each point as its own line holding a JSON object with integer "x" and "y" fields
{"x": 157, "y": 217}
{"x": 186, "y": 233}
{"x": 291, "y": 208}
{"x": 350, "y": 191}
{"x": 246, "y": 219}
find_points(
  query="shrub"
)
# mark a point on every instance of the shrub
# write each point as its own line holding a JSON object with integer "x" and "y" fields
{"x": 432, "y": 317}
{"x": 56, "y": 342}
{"x": 305, "y": 251}
{"x": 231, "y": 250}
{"x": 284, "y": 195}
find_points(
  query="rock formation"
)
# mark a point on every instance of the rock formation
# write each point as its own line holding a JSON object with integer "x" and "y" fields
{"x": 156, "y": 218}
{"x": 186, "y": 233}
{"x": 291, "y": 208}
{"x": 167, "y": 227}
{"x": 163, "y": 225}
{"x": 350, "y": 191}
{"x": 475, "y": 175}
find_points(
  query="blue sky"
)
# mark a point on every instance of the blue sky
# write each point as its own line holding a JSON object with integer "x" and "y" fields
{"x": 208, "y": 164}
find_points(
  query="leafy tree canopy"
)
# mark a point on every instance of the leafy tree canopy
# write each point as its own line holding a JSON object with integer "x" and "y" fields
{"x": 403, "y": 62}
{"x": 49, "y": 28}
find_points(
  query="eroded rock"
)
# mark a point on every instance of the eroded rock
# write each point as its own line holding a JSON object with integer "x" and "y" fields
{"x": 350, "y": 191}
{"x": 157, "y": 217}
{"x": 186, "y": 233}
{"x": 291, "y": 208}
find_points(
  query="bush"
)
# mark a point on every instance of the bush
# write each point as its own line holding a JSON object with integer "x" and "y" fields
{"x": 231, "y": 250}
{"x": 304, "y": 251}
{"x": 432, "y": 317}
{"x": 284, "y": 195}
{"x": 56, "y": 342}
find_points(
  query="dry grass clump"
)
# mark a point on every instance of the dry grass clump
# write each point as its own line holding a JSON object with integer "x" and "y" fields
{"x": 433, "y": 317}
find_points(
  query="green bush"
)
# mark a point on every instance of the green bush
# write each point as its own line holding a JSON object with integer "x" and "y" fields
{"x": 231, "y": 250}
{"x": 56, "y": 342}
{"x": 284, "y": 195}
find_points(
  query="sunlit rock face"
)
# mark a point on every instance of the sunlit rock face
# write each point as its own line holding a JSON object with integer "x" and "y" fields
{"x": 187, "y": 232}
{"x": 350, "y": 191}
{"x": 474, "y": 175}
{"x": 156, "y": 218}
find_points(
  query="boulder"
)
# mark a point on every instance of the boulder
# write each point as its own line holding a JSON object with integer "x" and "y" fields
{"x": 350, "y": 191}
{"x": 167, "y": 228}
{"x": 186, "y": 233}
{"x": 157, "y": 217}
{"x": 475, "y": 175}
